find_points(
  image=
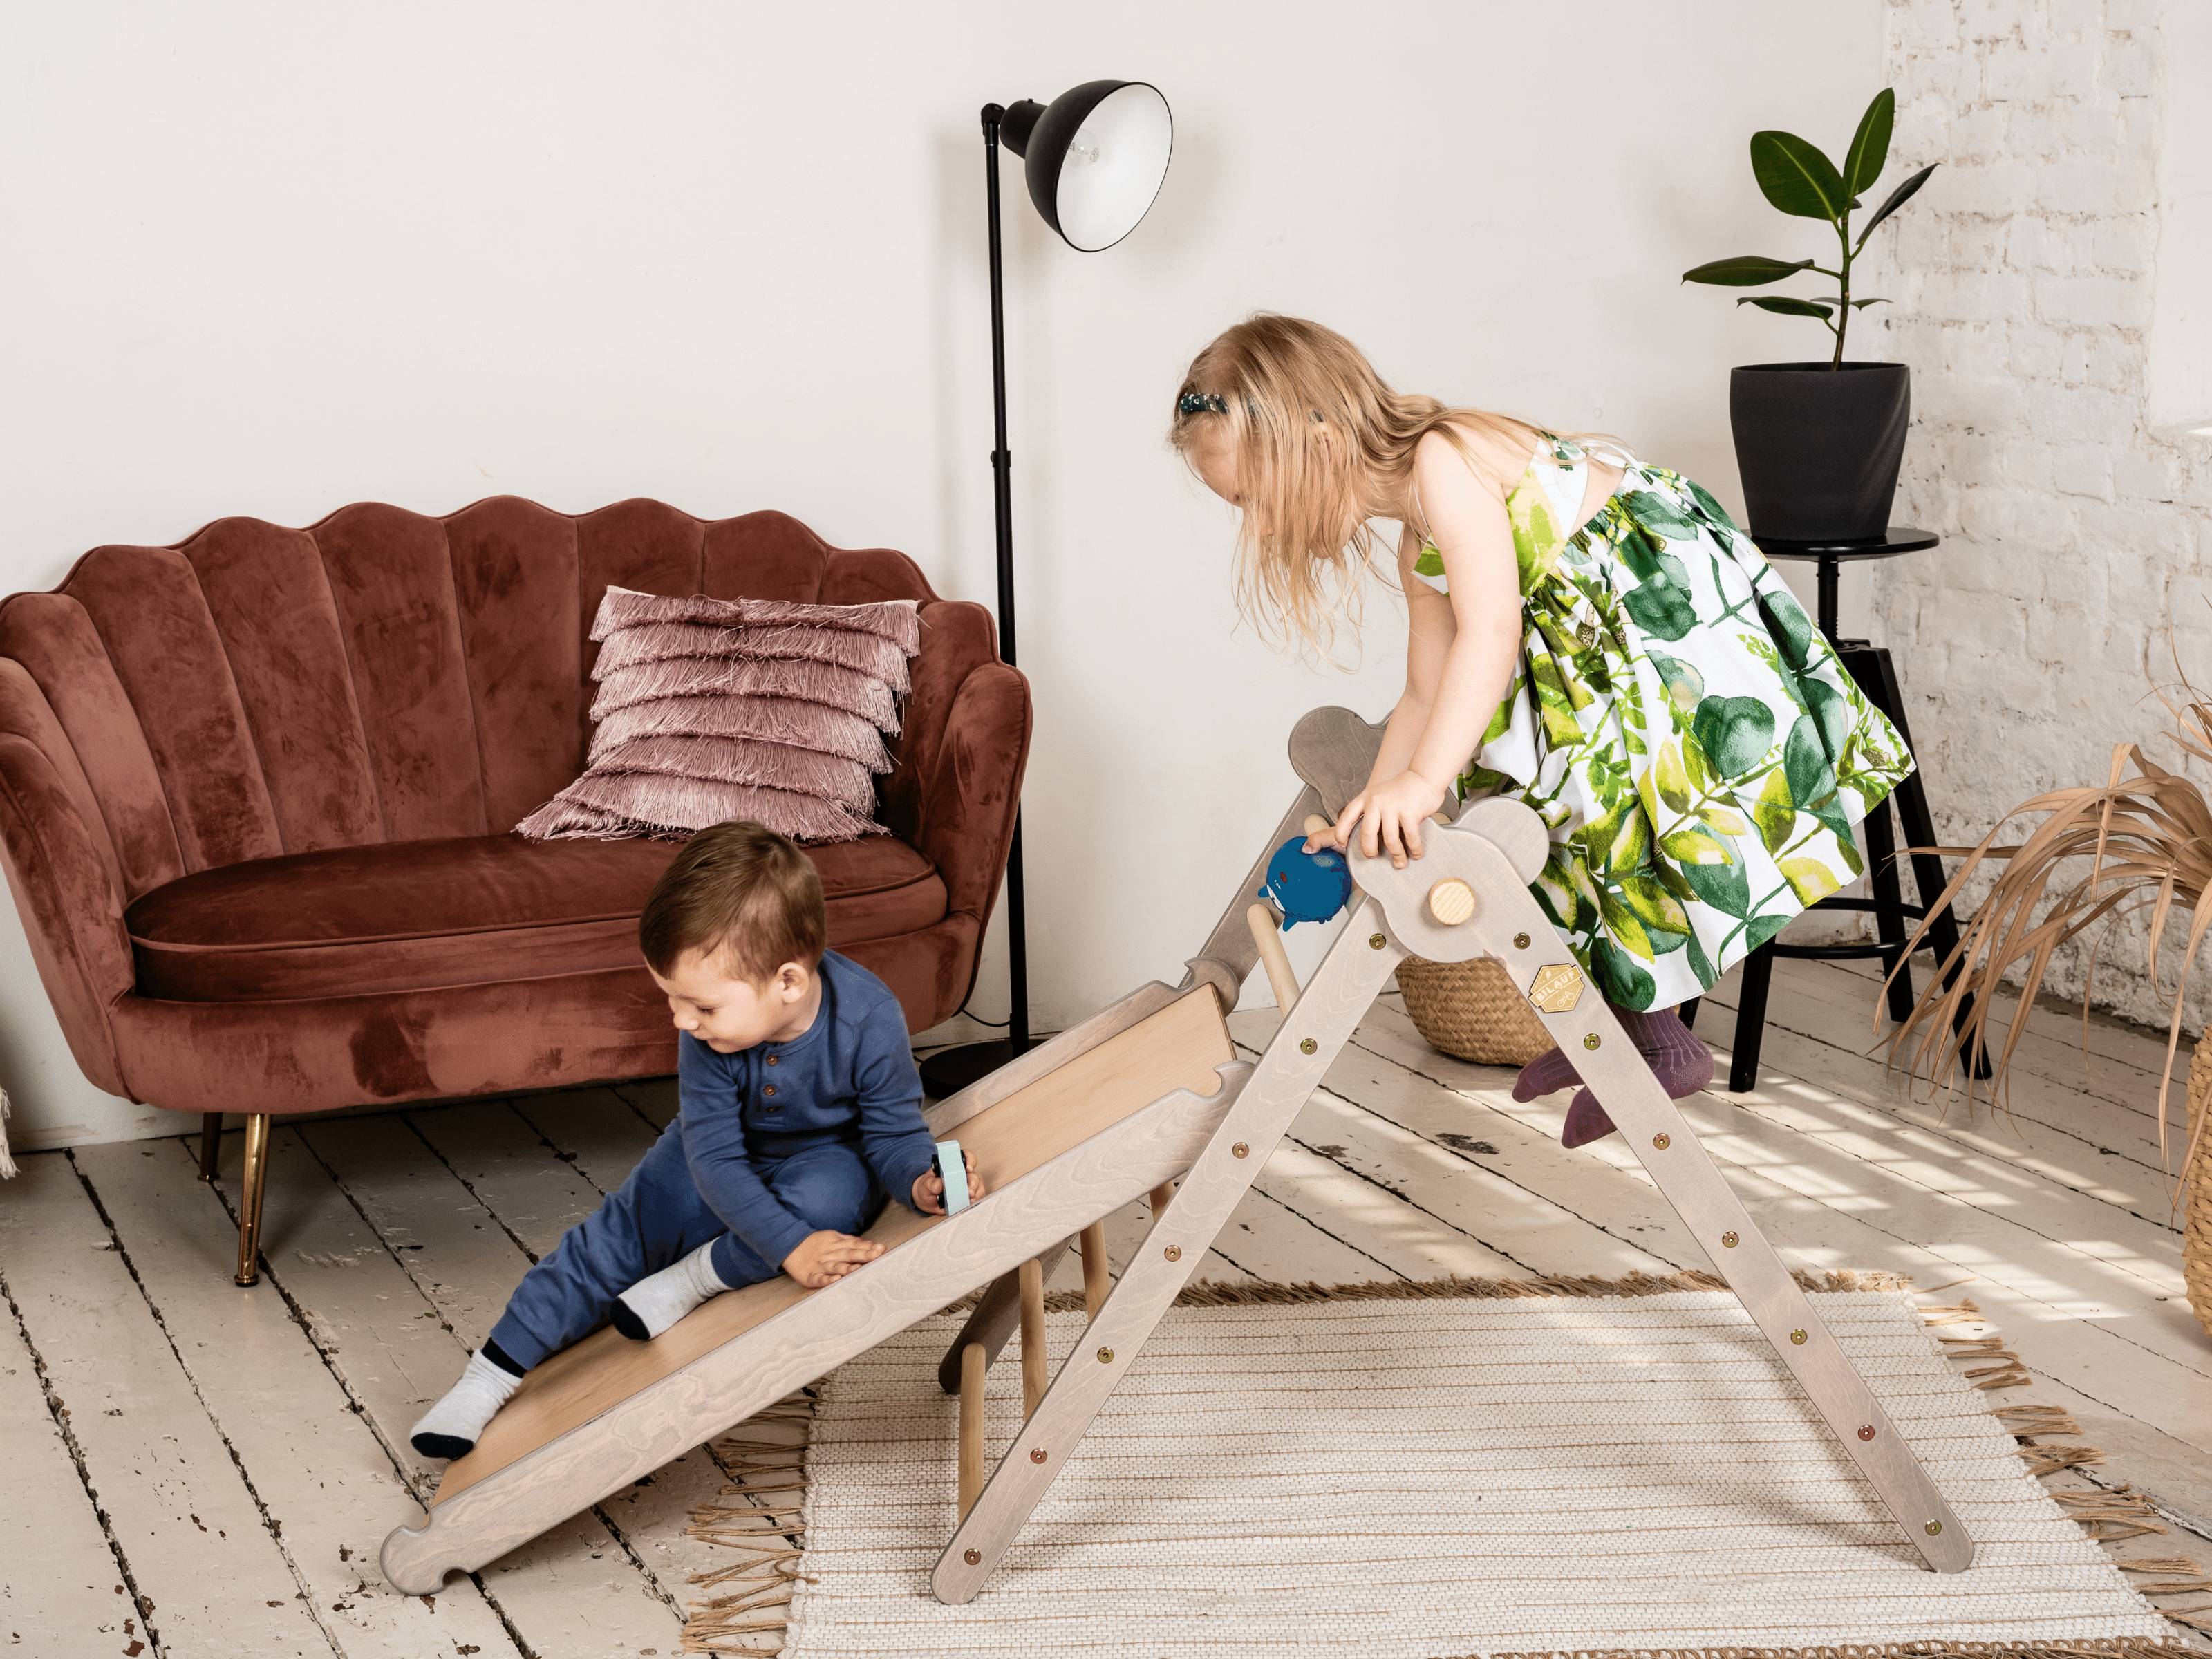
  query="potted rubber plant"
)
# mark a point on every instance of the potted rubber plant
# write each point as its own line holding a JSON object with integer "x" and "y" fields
{"x": 1818, "y": 444}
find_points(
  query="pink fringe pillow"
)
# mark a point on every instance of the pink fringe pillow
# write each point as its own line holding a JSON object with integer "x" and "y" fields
{"x": 711, "y": 709}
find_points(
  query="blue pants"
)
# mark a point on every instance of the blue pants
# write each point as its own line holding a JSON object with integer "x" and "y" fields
{"x": 655, "y": 1220}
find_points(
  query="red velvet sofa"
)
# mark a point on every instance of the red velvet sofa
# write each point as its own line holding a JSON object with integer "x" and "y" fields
{"x": 256, "y": 791}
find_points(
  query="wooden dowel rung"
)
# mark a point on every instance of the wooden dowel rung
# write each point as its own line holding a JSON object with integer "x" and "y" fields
{"x": 973, "y": 1362}
{"x": 1031, "y": 1276}
{"x": 1097, "y": 1282}
{"x": 1268, "y": 935}
{"x": 1161, "y": 1196}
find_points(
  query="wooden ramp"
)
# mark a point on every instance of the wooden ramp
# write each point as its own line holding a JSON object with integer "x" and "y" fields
{"x": 1110, "y": 1124}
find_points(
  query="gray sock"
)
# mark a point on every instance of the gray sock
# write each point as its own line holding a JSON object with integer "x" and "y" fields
{"x": 658, "y": 1300}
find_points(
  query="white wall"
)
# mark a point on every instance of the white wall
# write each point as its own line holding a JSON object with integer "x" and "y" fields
{"x": 271, "y": 259}
{"x": 2074, "y": 529}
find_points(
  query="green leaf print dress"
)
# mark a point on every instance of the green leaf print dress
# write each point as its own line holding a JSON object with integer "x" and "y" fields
{"x": 1695, "y": 747}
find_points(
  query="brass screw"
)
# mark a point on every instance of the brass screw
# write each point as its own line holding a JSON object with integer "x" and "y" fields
{"x": 973, "y": 1557}
{"x": 1934, "y": 1528}
{"x": 1376, "y": 941}
{"x": 1520, "y": 941}
{"x": 1241, "y": 1149}
{"x": 1308, "y": 1046}
{"x": 1865, "y": 1430}
{"x": 1106, "y": 1357}
{"x": 1798, "y": 1337}
{"x": 1036, "y": 1454}
{"x": 1728, "y": 1239}
{"x": 1662, "y": 1141}
{"x": 1592, "y": 1040}
{"x": 1174, "y": 1253}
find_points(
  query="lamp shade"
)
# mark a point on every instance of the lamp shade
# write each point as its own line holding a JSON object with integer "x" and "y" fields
{"x": 1094, "y": 158}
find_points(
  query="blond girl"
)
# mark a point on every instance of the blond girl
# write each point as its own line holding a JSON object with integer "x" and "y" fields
{"x": 1587, "y": 634}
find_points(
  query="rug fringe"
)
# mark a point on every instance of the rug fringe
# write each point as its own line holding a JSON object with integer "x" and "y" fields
{"x": 1258, "y": 1293}
{"x": 1962, "y": 1312}
{"x": 768, "y": 1534}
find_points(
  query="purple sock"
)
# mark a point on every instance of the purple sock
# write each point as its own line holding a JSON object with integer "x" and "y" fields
{"x": 1682, "y": 1064}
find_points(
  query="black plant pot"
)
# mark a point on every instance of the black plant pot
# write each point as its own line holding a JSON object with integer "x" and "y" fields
{"x": 1817, "y": 447}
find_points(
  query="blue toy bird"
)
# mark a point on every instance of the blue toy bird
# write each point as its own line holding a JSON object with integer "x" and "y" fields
{"x": 1307, "y": 886}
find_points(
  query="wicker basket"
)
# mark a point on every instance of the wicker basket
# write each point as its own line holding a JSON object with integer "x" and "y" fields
{"x": 1470, "y": 1010}
{"x": 2197, "y": 1194}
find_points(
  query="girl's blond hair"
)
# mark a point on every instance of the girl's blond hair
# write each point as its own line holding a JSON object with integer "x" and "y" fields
{"x": 1275, "y": 385}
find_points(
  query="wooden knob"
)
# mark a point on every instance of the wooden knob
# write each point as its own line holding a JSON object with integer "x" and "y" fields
{"x": 1317, "y": 825}
{"x": 1451, "y": 901}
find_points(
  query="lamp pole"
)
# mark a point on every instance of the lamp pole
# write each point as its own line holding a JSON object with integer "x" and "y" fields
{"x": 1002, "y": 491}
{"x": 1119, "y": 134}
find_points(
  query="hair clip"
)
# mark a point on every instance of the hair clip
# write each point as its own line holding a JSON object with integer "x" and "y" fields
{"x": 1201, "y": 403}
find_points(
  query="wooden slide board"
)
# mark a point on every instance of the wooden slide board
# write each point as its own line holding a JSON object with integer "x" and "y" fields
{"x": 1180, "y": 1046}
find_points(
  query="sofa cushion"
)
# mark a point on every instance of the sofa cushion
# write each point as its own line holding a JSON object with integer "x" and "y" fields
{"x": 422, "y": 914}
{"x": 656, "y": 650}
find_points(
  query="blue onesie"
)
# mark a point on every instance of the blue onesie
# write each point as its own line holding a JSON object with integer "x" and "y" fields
{"x": 771, "y": 1143}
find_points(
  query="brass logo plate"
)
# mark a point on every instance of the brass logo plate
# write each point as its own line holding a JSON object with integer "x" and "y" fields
{"x": 1556, "y": 988}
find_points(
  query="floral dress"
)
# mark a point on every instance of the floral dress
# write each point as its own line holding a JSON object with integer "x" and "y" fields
{"x": 1697, "y": 750}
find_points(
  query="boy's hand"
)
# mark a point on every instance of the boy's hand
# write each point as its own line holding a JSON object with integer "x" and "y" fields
{"x": 929, "y": 1186}
{"x": 823, "y": 1256}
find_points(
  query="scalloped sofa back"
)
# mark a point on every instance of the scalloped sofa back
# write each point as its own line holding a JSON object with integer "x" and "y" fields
{"x": 256, "y": 791}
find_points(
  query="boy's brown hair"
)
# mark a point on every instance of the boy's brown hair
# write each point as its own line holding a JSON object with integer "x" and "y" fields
{"x": 741, "y": 891}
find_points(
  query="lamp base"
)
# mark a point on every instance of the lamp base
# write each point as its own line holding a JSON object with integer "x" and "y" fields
{"x": 949, "y": 1071}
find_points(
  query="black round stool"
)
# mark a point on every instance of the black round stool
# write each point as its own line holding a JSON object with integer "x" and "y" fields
{"x": 1869, "y": 665}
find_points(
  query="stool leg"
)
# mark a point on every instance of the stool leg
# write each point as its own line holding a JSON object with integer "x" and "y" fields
{"x": 1035, "y": 1377}
{"x": 1095, "y": 1280}
{"x": 972, "y": 1363}
{"x": 1688, "y": 1013}
{"x": 1750, "y": 1020}
{"x": 211, "y": 1144}
{"x": 1911, "y": 800}
{"x": 1889, "y": 917}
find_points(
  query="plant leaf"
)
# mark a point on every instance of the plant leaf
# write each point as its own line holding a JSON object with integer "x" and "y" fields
{"x": 1796, "y": 177}
{"x": 1746, "y": 270}
{"x": 1898, "y": 198}
{"x": 1786, "y": 307}
{"x": 1869, "y": 151}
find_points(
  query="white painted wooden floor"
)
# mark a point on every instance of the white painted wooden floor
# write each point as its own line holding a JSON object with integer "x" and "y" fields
{"x": 194, "y": 1469}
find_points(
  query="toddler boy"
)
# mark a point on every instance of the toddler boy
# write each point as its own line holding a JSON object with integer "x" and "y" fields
{"x": 800, "y": 1109}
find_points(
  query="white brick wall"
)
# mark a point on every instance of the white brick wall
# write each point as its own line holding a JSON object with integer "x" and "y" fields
{"x": 2021, "y": 274}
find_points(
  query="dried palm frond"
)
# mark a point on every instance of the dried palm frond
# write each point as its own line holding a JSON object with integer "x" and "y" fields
{"x": 2149, "y": 840}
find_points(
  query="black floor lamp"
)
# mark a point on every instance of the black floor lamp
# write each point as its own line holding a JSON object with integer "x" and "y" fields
{"x": 1094, "y": 159}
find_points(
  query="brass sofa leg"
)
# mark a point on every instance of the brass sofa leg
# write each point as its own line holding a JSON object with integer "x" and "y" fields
{"x": 211, "y": 1144}
{"x": 249, "y": 1199}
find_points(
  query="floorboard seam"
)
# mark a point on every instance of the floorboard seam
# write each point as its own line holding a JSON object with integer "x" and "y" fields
{"x": 1756, "y": 1109}
{"x": 139, "y": 1601}
{"x": 1952, "y": 1134}
{"x": 1411, "y": 1204}
{"x": 269, "y": 1522}
{"x": 1541, "y": 1198}
{"x": 399, "y": 1464}
{"x": 599, "y": 1511}
{"x": 1324, "y": 1232}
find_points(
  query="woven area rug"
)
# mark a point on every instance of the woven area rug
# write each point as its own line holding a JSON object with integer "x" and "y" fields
{"x": 1422, "y": 1477}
